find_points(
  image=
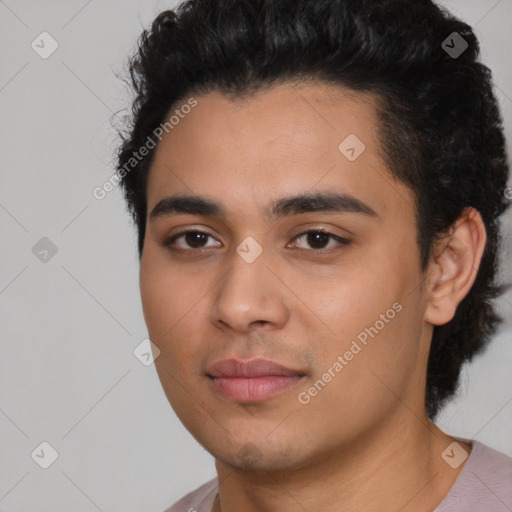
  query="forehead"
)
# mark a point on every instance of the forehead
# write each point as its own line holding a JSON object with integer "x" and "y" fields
{"x": 290, "y": 138}
{"x": 294, "y": 115}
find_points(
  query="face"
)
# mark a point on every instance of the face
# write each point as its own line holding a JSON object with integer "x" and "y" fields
{"x": 327, "y": 287}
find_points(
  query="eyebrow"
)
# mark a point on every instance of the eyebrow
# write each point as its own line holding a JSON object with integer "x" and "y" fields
{"x": 284, "y": 207}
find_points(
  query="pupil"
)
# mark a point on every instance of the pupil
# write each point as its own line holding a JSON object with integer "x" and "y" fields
{"x": 194, "y": 239}
{"x": 316, "y": 237}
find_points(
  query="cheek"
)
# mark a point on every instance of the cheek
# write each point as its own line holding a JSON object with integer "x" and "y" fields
{"x": 353, "y": 298}
{"x": 157, "y": 301}
{"x": 167, "y": 302}
{"x": 367, "y": 382}
{"x": 173, "y": 305}
{"x": 166, "y": 296}
{"x": 374, "y": 325}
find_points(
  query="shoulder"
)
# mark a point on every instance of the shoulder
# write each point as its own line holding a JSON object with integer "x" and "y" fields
{"x": 198, "y": 500}
{"x": 490, "y": 467}
{"x": 485, "y": 482}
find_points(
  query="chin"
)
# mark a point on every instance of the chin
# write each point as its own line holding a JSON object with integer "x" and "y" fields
{"x": 259, "y": 455}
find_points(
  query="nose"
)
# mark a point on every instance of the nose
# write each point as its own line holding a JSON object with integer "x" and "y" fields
{"x": 250, "y": 296}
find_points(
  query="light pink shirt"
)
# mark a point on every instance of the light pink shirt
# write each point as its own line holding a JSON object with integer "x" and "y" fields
{"x": 483, "y": 485}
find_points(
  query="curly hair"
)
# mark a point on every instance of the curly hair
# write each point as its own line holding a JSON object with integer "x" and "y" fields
{"x": 439, "y": 124}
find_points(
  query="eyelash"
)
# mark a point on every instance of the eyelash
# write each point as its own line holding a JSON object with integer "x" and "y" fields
{"x": 342, "y": 241}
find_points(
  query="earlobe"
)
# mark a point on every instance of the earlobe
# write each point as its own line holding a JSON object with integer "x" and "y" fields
{"x": 454, "y": 267}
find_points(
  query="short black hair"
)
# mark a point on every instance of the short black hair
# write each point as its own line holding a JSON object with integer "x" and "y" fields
{"x": 440, "y": 127}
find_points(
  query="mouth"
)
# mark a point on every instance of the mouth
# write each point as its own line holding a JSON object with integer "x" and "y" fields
{"x": 252, "y": 381}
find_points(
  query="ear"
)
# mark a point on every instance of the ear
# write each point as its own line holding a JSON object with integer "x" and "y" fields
{"x": 454, "y": 266}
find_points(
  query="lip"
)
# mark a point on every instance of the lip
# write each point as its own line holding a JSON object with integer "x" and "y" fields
{"x": 252, "y": 381}
{"x": 237, "y": 368}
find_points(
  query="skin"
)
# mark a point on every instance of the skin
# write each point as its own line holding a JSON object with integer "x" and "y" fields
{"x": 364, "y": 441}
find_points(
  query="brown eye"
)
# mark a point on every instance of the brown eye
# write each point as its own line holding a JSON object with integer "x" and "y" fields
{"x": 191, "y": 239}
{"x": 318, "y": 239}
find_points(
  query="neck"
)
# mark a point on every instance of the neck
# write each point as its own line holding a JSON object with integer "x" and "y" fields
{"x": 400, "y": 469}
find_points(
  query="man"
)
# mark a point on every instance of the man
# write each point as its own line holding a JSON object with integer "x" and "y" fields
{"x": 317, "y": 210}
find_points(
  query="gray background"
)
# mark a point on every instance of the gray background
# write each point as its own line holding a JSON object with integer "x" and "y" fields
{"x": 68, "y": 375}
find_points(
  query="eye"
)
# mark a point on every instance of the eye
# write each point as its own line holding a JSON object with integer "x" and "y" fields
{"x": 194, "y": 239}
{"x": 317, "y": 239}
